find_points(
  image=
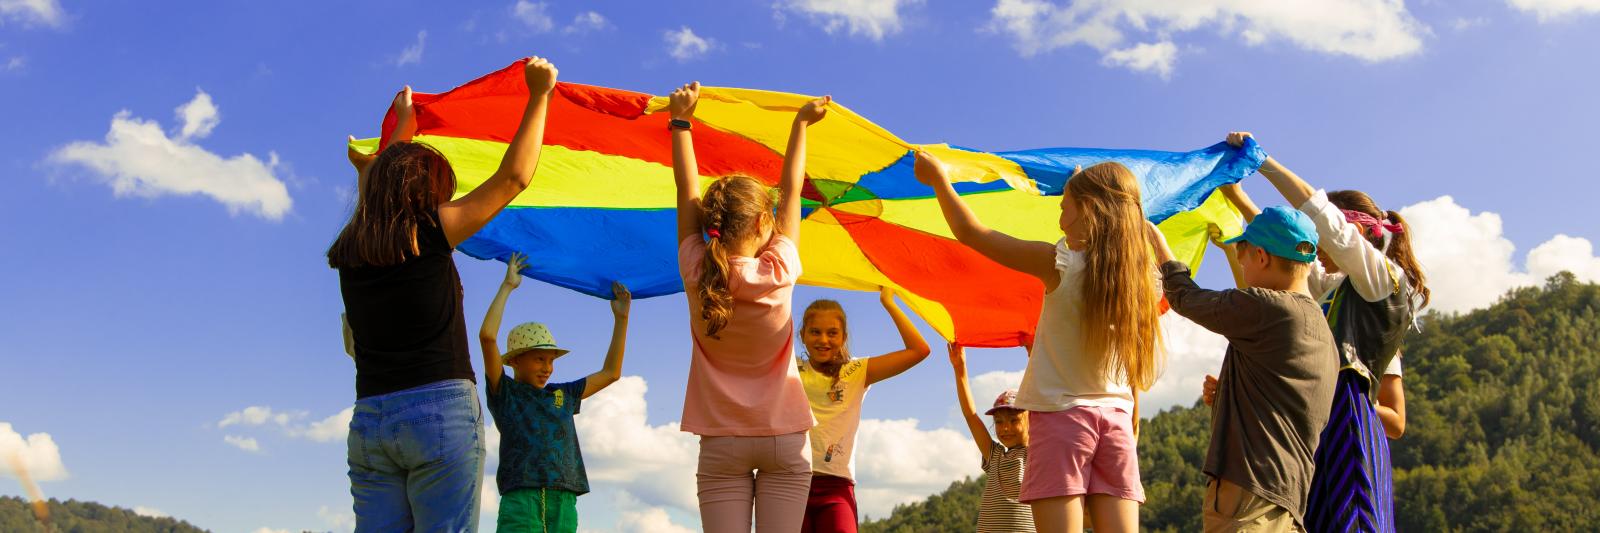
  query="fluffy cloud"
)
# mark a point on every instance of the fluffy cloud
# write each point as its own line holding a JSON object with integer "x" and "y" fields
{"x": 333, "y": 428}
{"x": 869, "y": 18}
{"x": 150, "y": 512}
{"x": 1549, "y": 10}
{"x": 412, "y": 54}
{"x": 655, "y": 464}
{"x": 248, "y": 444}
{"x": 257, "y": 415}
{"x": 139, "y": 159}
{"x": 536, "y": 15}
{"x": 36, "y": 454}
{"x": 898, "y": 463}
{"x": 1469, "y": 262}
{"x": 1192, "y": 352}
{"x": 586, "y": 22}
{"x": 686, "y": 45}
{"x": 30, "y": 12}
{"x": 648, "y": 520}
{"x": 1371, "y": 30}
{"x": 337, "y": 520}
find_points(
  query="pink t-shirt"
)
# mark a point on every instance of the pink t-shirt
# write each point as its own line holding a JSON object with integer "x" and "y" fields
{"x": 745, "y": 383}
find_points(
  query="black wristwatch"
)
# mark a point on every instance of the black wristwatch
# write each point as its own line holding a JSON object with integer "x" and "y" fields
{"x": 679, "y": 124}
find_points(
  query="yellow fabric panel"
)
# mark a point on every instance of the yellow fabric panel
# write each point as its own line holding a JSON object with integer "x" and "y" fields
{"x": 1015, "y": 213}
{"x": 840, "y": 264}
{"x": 565, "y": 178}
{"x": 981, "y": 167}
{"x": 1189, "y": 231}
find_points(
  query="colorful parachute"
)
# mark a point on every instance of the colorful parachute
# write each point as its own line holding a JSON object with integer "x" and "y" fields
{"x": 601, "y": 206}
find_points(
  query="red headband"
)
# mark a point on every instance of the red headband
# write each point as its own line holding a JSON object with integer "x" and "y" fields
{"x": 1371, "y": 224}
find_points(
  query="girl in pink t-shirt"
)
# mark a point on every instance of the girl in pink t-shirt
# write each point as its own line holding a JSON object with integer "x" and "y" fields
{"x": 744, "y": 397}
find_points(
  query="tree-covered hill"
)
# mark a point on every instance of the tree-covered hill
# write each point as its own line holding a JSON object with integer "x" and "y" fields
{"x": 73, "y": 516}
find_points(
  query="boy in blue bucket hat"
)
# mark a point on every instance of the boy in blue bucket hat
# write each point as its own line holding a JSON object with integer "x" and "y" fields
{"x": 1276, "y": 387}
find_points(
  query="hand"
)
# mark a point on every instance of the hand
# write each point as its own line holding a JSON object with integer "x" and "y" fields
{"x": 402, "y": 105}
{"x": 1236, "y": 138}
{"x": 624, "y": 300}
{"x": 958, "y": 356}
{"x": 514, "y": 270}
{"x": 540, "y": 74}
{"x": 681, "y": 103}
{"x": 928, "y": 169}
{"x": 814, "y": 111}
{"x": 358, "y": 159}
{"x": 1208, "y": 392}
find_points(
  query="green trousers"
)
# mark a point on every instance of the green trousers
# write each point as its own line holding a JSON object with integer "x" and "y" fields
{"x": 538, "y": 510}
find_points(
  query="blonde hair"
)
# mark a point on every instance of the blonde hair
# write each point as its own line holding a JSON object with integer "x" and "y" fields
{"x": 1120, "y": 297}
{"x": 829, "y": 306}
{"x": 732, "y": 210}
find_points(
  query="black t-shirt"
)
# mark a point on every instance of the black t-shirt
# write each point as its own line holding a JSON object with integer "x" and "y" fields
{"x": 407, "y": 320}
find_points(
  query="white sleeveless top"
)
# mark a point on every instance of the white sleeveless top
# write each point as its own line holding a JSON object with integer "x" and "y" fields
{"x": 1060, "y": 375}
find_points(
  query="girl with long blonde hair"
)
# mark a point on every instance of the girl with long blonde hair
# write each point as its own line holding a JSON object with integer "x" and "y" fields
{"x": 1098, "y": 342}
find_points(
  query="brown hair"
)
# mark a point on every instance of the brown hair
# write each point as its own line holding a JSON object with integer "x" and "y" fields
{"x": 734, "y": 207}
{"x": 829, "y": 306}
{"x": 1399, "y": 244}
{"x": 1121, "y": 301}
{"x": 405, "y": 185}
{"x": 1283, "y": 264}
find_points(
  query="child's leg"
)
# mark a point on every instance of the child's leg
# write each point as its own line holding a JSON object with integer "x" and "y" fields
{"x": 832, "y": 507}
{"x": 1112, "y": 514}
{"x": 783, "y": 481}
{"x": 1061, "y": 513}
{"x": 1061, "y": 447}
{"x": 377, "y": 485}
{"x": 441, "y": 440}
{"x": 1115, "y": 490}
{"x": 560, "y": 511}
{"x": 725, "y": 484}
{"x": 520, "y": 511}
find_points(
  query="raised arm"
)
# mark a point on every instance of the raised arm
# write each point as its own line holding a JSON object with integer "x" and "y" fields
{"x": 1235, "y": 195}
{"x": 1037, "y": 259}
{"x": 612, "y": 371}
{"x": 405, "y": 129}
{"x": 1295, "y": 190}
{"x": 463, "y": 217}
{"x": 893, "y": 363}
{"x": 685, "y": 172}
{"x": 794, "y": 167}
{"x": 980, "y": 432}
{"x": 489, "y": 334}
{"x": 1226, "y": 313}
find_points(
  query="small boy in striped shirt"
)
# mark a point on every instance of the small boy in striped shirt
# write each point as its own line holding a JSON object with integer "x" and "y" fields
{"x": 1003, "y": 460}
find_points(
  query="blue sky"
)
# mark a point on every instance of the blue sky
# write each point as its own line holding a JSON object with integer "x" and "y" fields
{"x": 138, "y": 317}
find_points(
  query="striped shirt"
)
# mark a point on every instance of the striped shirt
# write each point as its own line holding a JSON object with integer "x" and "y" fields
{"x": 1000, "y": 512}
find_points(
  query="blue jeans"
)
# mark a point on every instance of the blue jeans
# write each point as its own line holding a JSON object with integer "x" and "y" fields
{"x": 416, "y": 458}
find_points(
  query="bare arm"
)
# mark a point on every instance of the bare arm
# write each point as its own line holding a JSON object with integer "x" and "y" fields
{"x": 1037, "y": 259}
{"x": 489, "y": 334}
{"x": 464, "y": 217}
{"x": 893, "y": 363}
{"x": 612, "y": 371}
{"x": 794, "y": 167}
{"x": 1392, "y": 405}
{"x": 980, "y": 432}
{"x": 1294, "y": 190}
{"x": 685, "y": 170}
{"x": 1241, "y": 201}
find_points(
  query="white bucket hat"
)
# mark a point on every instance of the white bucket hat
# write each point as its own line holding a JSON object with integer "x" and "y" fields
{"x": 529, "y": 336}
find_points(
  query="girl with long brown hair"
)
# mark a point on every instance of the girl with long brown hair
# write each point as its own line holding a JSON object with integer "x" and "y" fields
{"x": 836, "y": 385}
{"x": 1371, "y": 287}
{"x": 1097, "y": 343}
{"x": 416, "y": 443}
{"x": 744, "y": 398}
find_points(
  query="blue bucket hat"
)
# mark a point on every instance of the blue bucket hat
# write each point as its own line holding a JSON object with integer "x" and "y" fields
{"x": 1280, "y": 230}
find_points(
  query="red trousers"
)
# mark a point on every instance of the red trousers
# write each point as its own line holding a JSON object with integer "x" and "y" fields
{"x": 831, "y": 507}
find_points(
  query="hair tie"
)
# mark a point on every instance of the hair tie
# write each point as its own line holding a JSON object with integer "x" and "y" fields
{"x": 714, "y": 233}
{"x": 1371, "y": 225}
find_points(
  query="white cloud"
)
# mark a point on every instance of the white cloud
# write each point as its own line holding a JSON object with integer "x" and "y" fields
{"x": 1550, "y": 10}
{"x": 36, "y": 454}
{"x": 257, "y": 415}
{"x": 248, "y": 444}
{"x": 30, "y": 12}
{"x": 270, "y": 530}
{"x": 412, "y": 55}
{"x": 1145, "y": 57}
{"x": 534, "y": 14}
{"x": 1371, "y": 30}
{"x": 149, "y": 511}
{"x": 1468, "y": 260}
{"x": 331, "y": 429}
{"x": 1464, "y": 24}
{"x": 199, "y": 117}
{"x": 488, "y": 501}
{"x": 586, "y": 22}
{"x": 15, "y": 63}
{"x": 1192, "y": 352}
{"x": 686, "y": 45}
{"x": 139, "y": 159}
{"x": 655, "y": 464}
{"x": 898, "y": 463}
{"x": 873, "y": 19}
{"x": 337, "y": 520}
{"x": 640, "y": 519}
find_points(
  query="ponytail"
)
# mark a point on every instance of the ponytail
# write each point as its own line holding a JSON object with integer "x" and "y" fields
{"x": 730, "y": 212}
{"x": 1400, "y": 252}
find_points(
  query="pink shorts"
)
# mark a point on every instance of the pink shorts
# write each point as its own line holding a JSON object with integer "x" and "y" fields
{"x": 1082, "y": 450}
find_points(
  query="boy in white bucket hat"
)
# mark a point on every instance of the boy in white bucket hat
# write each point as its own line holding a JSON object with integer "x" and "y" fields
{"x": 541, "y": 470}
